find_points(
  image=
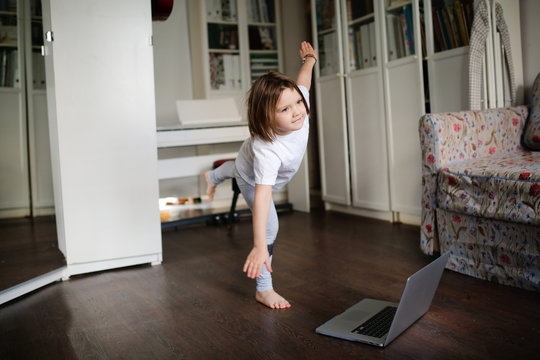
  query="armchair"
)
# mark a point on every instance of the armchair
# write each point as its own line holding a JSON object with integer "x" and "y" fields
{"x": 481, "y": 195}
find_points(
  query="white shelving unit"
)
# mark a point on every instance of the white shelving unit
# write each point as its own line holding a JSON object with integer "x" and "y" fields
{"x": 369, "y": 106}
{"x": 232, "y": 44}
{"x": 350, "y": 100}
{"x": 26, "y": 179}
{"x": 404, "y": 103}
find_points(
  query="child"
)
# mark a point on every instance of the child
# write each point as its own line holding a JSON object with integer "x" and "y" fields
{"x": 279, "y": 125}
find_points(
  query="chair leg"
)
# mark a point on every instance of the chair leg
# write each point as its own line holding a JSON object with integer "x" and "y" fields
{"x": 232, "y": 210}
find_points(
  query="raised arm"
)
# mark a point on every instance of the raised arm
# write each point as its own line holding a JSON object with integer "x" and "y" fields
{"x": 309, "y": 56}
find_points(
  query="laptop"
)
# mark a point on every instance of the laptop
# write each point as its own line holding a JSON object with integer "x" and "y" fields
{"x": 378, "y": 322}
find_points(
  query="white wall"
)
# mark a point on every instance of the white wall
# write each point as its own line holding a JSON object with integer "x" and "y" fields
{"x": 172, "y": 63}
{"x": 530, "y": 31}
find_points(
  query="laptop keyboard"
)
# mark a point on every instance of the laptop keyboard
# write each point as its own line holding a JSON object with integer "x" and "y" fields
{"x": 379, "y": 324}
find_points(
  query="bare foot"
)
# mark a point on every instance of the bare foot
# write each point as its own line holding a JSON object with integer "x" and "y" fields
{"x": 272, "y": 299}
{"x": 210, "y": 189}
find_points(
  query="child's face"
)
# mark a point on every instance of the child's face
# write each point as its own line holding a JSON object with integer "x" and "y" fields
{"x": 290, "y": 112}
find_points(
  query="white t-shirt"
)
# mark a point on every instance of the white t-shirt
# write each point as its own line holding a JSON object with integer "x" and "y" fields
{"x": 274, "y": 163}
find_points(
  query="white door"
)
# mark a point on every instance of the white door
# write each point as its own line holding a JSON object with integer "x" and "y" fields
{"x": 103, "y": 133}
{"x": 331, "y": 114}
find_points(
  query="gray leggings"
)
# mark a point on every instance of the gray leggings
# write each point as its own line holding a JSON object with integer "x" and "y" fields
{"x": 228, "y": 170}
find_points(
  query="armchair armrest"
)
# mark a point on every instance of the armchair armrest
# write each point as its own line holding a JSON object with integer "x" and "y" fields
{"x": 449, "y": 137}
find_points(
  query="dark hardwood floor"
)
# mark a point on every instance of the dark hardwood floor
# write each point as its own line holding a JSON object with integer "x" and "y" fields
{"x": 28, "y": 248}
{"x": 199, "y": 305}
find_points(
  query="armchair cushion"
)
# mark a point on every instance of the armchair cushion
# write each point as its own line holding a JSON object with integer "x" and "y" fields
{"x": 504, "y": 187}
{"x": 531, "y": 135}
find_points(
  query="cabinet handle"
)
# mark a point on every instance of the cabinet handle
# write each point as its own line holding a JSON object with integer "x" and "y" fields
{"x": 42, "y": 50}
{"x": 49, "y": 36}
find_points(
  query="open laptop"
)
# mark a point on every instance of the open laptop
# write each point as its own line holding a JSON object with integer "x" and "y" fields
{"x": 378, "y": 322}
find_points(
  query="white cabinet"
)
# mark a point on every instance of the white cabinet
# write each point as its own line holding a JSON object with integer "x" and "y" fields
{"x": 404, "y": 101}
{"x": 232, "y": 44}
{"x": 350, "y": 104}
{"x": 383, "y": 64}
{"x": 103, "y": 133}
{"x": 25, "y": 167}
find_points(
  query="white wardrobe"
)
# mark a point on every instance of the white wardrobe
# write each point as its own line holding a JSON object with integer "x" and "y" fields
{"x": 100, "y": 92}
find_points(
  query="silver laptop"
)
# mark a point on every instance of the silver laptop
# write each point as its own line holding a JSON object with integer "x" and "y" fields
{"x": 378, "y": 322}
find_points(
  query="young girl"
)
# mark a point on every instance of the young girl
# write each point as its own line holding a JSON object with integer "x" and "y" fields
{"x": 278, "y": 121}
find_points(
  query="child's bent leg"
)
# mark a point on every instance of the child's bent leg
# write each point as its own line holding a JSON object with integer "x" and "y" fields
{"x": 217, "y": 176}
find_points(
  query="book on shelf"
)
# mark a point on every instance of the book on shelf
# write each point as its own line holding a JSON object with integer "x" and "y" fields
{"x": 366, "y": 47}
{"x": 400, "y": 33}
{"x": 398, "y": 36}
{"x": 225, "y": 71}
{"x": 392, "y": 44}
{"x": 452, "y": 21}
{"x": 9, "y": 67}
{"x": 261, "y": 63}
{"x": 327, "y": 53}
{"x": 372, "y": 44}
{"x": 352, "y": 48}
{"x": 222, "y": 36}
{"x": 261, "y": 11}
{"x": 409, "y": 34}
{"x": 261, "y": 38}
{"x": 326, "y": 15}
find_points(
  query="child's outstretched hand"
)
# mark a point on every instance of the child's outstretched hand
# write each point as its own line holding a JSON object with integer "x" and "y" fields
{"x": 255, "y": 260}
{"x": 306, "y": 50}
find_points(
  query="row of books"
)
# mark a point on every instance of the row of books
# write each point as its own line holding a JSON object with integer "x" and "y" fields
{"x": 260, "y": 64}
{"x": 225, "y": 71}
{"x": 221, "y": 10}
{"x": 362, "y": 46}
{"x": 359, "y": 8}
{"x": 400, "y": 34}
{"x": 326, "y": 15}
{"x": 222, "y": 36}
{"x": 8, "y": 5}
{"x": 328, "y": 53}
{"x": 452, "y": 22}
{"x": 261, "y": 38}
{"x": 261, "y": 11}
{"x": 9, "y": 67}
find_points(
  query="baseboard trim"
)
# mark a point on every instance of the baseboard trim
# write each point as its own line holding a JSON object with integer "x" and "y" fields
{"x": 31, "y": 285}
{"x": 396, "y": 217}
{"x": 84, "y": 268}
{"x": 375, "y": 214}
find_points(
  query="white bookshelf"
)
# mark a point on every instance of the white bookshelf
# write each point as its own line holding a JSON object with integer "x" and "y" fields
{"x": 26, "y": 165}
{"x": 232, "y": 44}
{"x": 369, "y": 107}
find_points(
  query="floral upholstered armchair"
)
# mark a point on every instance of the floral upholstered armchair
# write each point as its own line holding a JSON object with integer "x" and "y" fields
{"x": 481, "y": 194}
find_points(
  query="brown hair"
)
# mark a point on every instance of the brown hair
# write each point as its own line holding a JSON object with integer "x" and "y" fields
{"x": 262, "y": 100}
